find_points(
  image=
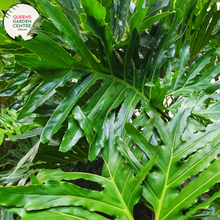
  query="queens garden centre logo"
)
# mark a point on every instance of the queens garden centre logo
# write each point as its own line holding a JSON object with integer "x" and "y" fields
{"x": 22, "y": 22}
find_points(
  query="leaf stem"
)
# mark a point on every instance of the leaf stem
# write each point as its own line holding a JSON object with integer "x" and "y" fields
{"x": 28, "y": 142}
{"x": 164, "y": 114}
{"x": 6, "y": 155}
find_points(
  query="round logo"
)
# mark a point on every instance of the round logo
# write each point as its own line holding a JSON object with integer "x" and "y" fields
{"x": 22, "y": 22}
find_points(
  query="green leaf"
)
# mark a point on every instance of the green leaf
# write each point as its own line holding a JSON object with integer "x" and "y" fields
{"x": 52, "y": 157}
{"x": 1, "y": 64}
{"x": 120, "y": 15}
{"x": 192, "y": 127}
{"x": 138, "y": 17}
{"x": 124, "y": 59}
{"x": 73, "y": 134}
{"x": 160, "y": 54}
{"x": 65, "y": 107}
{"x": 60, "y": 72}
{"x": 121, "y": 190}
{"x": 36, "y": 27}
{"x": 111, "y": 94}
{"x": 6, "y": 215}
{"x": 212, "y": 88}
{"x": 204, "y": 25}
{"x": 61, "y": 59}
{"x": 7, "y": 4}
{"x": 207, "y": 210}
{"x": 1, "y": 14}
{"x": 129, "y": 156}
{"x": 34, "y": 180}
{"x": 49, "y": 27}
{"x": 28, "y": 157}
{"x": 149, "y": 21}
{"x": 67, "y": 32}
{"x": 2, "y": 136}
{"x": 156, "y": 6}
{"x": 210, "y": 112}
{"x": 84, "y": 123}
{"x": 158, "y": 94}
{"x": 97, "y": 10}
{"x": 27, "y": 134}
{"x": 64, "y": 213}
{"x": 177, "y": 162}
{"x": 192, "y": 81}
{"x": 144, "y": 145}
{"x": 95, "y": 24}
{"x": 100, "y": 139}
{"x": 66, "y": 7}
{"x": 183, "y": 59}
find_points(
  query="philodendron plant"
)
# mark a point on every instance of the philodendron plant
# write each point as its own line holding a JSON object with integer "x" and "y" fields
{"x": 133, "y": 83}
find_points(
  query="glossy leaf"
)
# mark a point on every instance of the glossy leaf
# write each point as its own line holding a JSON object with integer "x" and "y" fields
{"x": 105, "y": 99}
{"x": 138, "y": 17}
{"x": 65, "y": 107}
{"x": 84, "y": 122}
{"x": 192, "y": 127}
{"x": 204, "y": 25}
{"x": 192, "y": 80}
{"x": 178, "y": 160}
{"x": 27, "y": 134}
{"x": 67, "y": 31}
{"x": 73, "y": 134}
{"x": 121, "y": 190}
{"x": 65, "y": 213}
{"x": 209, "y": 112}
{"x": 55, "y": 158}
{"x": 160, "y": 55}
{"x": 208, "y": 209}
{"x": 149, "y": 21}
{"x": 146, "y": 61}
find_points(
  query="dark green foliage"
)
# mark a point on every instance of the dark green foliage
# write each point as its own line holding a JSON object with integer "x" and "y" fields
{"x": 132, "y": 86}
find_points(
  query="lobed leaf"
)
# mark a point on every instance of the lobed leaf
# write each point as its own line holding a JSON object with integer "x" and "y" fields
{"x": 121, "y": 190}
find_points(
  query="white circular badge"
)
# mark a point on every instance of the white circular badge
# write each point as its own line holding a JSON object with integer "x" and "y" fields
{"x": 22, "y": 22}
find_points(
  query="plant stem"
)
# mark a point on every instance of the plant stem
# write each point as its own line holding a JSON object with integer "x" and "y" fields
{"x": 5, "y": 156}
{"x": 28, "y": 142}
{"x": 164, "y": 114}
